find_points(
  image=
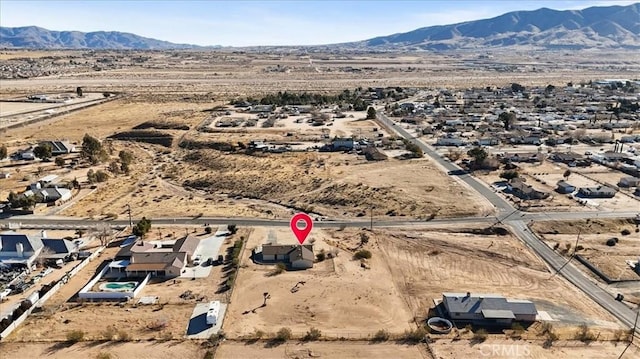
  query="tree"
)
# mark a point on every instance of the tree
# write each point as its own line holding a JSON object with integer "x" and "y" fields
{"x": 60, "y": 162}
{"x": 566, "y": 174}
{"x": 508, "y": 118}
{"x": 371, "y": 113}
{"x": 126, "y": 158}
{"x": 43, "y": 151}
{"x": 479, "y": 155}
{"x": 104, "y": 233}
{"x": 21, "y": 201}
{"x": 3, "y": 152}
{"x": 92, "y": 150}
{"x": 509, "y": 175}
{"x": 515, "y": 87}
{"x": 142, "y": 227}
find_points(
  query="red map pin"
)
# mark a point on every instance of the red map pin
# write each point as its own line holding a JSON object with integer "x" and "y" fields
{"x": 301, "y": 233}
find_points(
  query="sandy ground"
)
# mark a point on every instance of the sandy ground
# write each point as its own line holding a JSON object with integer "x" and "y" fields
{"x": 221, "y": 73}
{"x": 346, "y": 350}
{"x": 338, "y": 297}
{"x": 531, "y": 350}
{"x": 89, "y": 350}
{"x": 107, "y": 119}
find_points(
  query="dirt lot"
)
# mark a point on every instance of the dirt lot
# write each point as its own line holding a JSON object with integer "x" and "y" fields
{"x": 90, "y": 350}
{"x": 338, "y": 296}
{"x": 531, "y": 350}
{"x": 342, "y": 350}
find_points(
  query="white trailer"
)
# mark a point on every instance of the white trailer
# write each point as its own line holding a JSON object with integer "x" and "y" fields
{"x": 213, "y": 312}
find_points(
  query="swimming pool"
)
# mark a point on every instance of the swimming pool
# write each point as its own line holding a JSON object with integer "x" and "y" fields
{"x": 118, "y": 286}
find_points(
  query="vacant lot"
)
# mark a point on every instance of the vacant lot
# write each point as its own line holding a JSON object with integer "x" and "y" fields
{"x": 334, "y": 350}
{"x": 504, "y": 349}
{"x": 338, "y": 296}
{"x": 89, "y": 350}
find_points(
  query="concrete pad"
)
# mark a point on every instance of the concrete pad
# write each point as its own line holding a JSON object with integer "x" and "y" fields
{"x": 198, "y": 327}
{"x": 209, "y": 247}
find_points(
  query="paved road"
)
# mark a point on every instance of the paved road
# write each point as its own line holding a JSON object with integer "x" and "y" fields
{"x": 518, "y": 220}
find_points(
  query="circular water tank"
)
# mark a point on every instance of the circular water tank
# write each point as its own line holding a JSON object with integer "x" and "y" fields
{"x": 439, "y": 325}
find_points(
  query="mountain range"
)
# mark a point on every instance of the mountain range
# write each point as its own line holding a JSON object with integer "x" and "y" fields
{"x": 34, "y": 37}
{"x": 594, "y": 27}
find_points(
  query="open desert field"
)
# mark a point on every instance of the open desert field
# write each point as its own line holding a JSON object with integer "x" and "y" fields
{"x": 337, "y": 296}
{"x": 343, "y": 350}
{"x": 89, "y": 350}
{"x": 222, "y": 73}
{"x": 507, "y": 349}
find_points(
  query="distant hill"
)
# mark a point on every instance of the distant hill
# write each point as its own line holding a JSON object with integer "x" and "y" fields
{"x": 594, "y": 27}
{"x": 34, "y": 37}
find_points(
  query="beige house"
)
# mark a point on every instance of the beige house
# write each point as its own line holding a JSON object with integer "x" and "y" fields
{"x": 144, "y": 258}
{"x": 296, "y": 256}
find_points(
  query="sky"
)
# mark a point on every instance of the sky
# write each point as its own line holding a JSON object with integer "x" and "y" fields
{"x": 251, "y": 23}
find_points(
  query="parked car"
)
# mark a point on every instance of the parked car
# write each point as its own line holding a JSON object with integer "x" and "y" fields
{"x": 5, "y": 293}
{"x": 197, "y": 259}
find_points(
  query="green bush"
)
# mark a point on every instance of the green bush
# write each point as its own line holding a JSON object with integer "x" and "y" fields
{"x": 362, "y": 254}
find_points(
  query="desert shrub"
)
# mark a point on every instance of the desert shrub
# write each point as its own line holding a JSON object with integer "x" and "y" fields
{"x": 109, "y": 333}
{"x": 103, "y": 355}
{"x": 158, "y": 324}
{"x": 123, "y": 336}
{"x": 208, "y": 355}
{"x": 279, "y": 269}
{"x": 415, "y": 335}
{"x": 611, "y": 242}
{"x": 362, "y": 254}
{"x": 381, "y": 336}
{"x": 625, "y": 232}
{"x": 208, "y": 230}
{"x": 321, "y": 256}
{"x": 584, "y": 334}
{"x": 258, "y": 334}
{"x": 480, "y": 335}
{"x": 75, "y": 336}
{"x": 518, "y": 329}
{"x": 283, "y": 334}
{"x": 579, "y": 247}
{"x": 312, "y": 334}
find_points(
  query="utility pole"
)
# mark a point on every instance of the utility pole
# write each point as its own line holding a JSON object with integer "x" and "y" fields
{"x": 130, "y": 220}
{"x": 371, "y": 223}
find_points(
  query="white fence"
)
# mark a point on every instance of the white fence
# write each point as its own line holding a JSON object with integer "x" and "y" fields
{"x": 86, "y": 293}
